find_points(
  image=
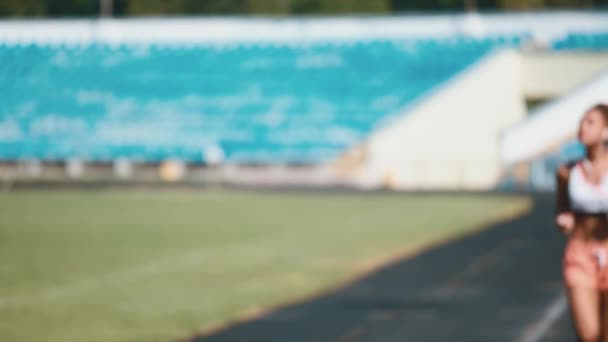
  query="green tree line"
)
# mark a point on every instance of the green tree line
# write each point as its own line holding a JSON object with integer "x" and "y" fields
{"x": 79, "y": 8}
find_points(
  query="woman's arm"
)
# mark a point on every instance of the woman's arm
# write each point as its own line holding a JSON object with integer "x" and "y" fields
{"x": 564, "y": 218}
{"x": 563, "y": 203}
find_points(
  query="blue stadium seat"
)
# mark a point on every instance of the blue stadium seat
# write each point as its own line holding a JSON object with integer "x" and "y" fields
{"x": 597, "y": 41}
{"x": 260, "y": 102}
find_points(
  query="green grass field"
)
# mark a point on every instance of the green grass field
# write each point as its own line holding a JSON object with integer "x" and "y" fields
{"x": 156, "y": 266}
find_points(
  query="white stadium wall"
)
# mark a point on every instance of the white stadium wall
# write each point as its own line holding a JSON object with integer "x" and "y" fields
{"x": 552, "y": 74}
{"x": 449, "y": 139}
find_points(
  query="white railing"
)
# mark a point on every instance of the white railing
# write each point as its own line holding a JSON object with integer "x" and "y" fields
{"x": 542, "y": 26}
{"x": 552, "y": 123}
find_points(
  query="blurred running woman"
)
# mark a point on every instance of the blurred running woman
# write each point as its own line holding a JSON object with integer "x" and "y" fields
{"x": 582, "y": 205}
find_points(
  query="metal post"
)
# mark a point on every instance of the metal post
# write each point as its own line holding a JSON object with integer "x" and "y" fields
{"x": 470, "y": 5}
{"x": 106, "y": 8}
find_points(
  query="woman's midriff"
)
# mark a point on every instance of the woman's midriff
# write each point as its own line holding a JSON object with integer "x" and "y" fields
{"x": 590, "y": 228}
{"x": 585, "y": 259}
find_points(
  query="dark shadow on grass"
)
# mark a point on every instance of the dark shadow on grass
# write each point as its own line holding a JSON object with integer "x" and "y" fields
{"x": 488, "y": 286}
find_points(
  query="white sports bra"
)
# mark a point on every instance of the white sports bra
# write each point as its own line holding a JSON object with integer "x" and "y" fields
{"x": 585, "y": 196}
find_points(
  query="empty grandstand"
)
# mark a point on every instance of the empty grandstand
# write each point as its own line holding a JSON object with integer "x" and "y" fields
{"x": 347, "y": 98}
{"x": 258, "y": 103}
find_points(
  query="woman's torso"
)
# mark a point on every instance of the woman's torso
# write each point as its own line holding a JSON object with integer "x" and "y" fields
{"x": 588, "y": 202}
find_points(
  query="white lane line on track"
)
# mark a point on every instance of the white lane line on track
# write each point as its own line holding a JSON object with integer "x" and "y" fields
{"x": 480, "y": 264}
{"x": 537, "y": 329}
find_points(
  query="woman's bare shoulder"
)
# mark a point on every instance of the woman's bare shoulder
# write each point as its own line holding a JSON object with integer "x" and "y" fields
{"x": 563, "y": 170}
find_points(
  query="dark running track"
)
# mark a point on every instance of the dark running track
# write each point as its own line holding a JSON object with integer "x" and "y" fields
{"x": 494, "y": 286}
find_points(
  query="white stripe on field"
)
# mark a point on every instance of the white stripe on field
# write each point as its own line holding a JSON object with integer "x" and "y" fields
{"x": 92, "y": 283}
{"x": 86, "y": 284}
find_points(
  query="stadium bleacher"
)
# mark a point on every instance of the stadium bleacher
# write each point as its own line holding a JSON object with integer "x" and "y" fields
{"x": 256, "y": 103}
{"x": 590, "y": 41}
